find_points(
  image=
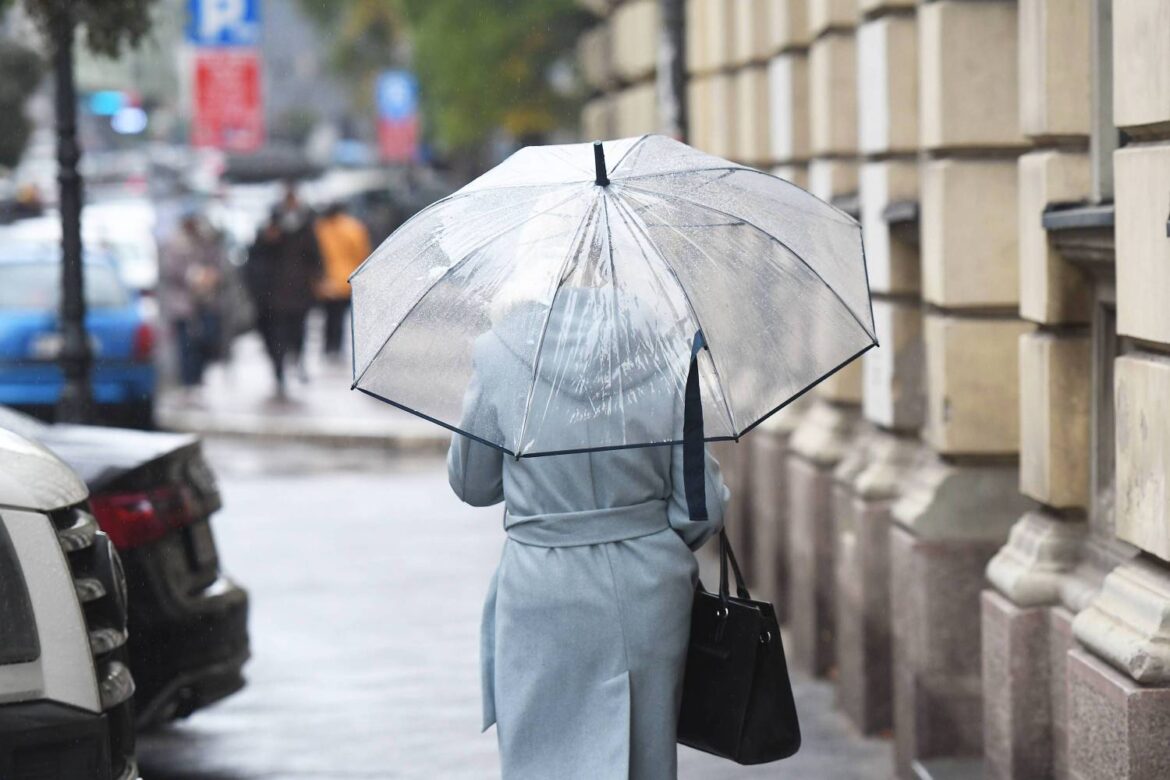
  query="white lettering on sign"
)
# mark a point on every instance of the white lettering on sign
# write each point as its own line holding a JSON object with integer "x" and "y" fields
{"x": 217, "y": 17}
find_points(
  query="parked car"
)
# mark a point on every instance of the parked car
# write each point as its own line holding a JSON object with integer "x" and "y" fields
{"x": 65, "y": 687}
{"x": 121, "y": 229}
{"x": 121, "y": 327}
{"x": 153, "y": 494}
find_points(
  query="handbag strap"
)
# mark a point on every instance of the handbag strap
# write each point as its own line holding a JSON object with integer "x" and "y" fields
{"x": 695, "y": 471}
{"x": 726, "y": 554}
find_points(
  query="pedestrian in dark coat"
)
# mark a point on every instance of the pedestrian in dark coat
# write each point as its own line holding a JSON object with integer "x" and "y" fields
{"x": 298, "y": 273}
{"x": 260, "y": 273}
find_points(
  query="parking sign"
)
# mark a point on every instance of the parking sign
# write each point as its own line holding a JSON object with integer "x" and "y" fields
{"x": 397, "y": 95}
{"x": 397, "y": 99}
{"x": 229, "y": 107}
{"x": 223, "y": 22}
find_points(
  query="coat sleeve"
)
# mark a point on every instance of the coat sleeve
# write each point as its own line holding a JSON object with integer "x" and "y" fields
{"x": 696, "y": 534}
{"x": 475, "y": 470}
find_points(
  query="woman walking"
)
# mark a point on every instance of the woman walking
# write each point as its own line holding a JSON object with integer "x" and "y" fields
{"x": 584, "y": 329}
{"x": 586, "y": 623}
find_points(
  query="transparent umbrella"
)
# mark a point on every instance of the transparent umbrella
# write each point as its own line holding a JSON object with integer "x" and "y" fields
{"x": 552, "y": 304}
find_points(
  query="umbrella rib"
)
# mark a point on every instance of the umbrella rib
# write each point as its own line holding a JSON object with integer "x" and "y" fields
{"x": 457, "y": 264}
{"x": 443, "y": 201}
{"x": 649, "y": 267}
{"x": 735, "y": 169}
{"x": 633, "y": 146}
{"x": 694, "y": 313}
{"x": 614, "y": 312}
{"x": 559, "y": 152}
{"x": 544, "y": 327}
{"x": 762, "y": 232}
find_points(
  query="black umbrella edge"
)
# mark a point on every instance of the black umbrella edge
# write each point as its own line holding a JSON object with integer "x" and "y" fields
{"x": 613, "y": 447}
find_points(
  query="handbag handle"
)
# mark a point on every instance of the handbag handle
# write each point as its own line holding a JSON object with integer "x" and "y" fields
{"x": 726, "y": 554}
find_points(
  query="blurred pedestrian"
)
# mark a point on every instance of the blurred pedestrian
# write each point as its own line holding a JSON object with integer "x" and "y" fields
{"x": 190, "y": 276}
{"x": 344, "y": 243}
{"x": 28, "y": 202}
{"x": 259, "y": 276}
{"x": 297, "y": 274}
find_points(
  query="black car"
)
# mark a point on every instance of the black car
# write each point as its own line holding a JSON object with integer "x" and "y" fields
{"x": 154, "y": 494}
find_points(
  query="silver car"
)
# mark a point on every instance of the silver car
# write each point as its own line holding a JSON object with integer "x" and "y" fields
{"x": 65, "y": 688}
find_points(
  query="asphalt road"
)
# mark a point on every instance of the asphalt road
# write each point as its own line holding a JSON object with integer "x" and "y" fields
{"x": 367, "y": 579}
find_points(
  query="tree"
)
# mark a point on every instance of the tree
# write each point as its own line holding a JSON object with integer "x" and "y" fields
{"x": 20, "y": 72}
{"x": 366, "y": 37}
{"x": 488, "y": 66}
{"x": 108, "y": 26}
{"x": 482, "y": 66}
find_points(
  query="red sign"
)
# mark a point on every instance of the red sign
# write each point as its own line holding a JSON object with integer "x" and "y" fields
{"x": 398, "y": 140}
{"x": 229, "y": 105}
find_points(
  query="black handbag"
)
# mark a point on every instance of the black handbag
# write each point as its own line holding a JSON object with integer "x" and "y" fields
{"x": 737, "y": 699}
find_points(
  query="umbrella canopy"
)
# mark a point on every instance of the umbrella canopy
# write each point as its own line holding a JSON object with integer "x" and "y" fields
{"x": 550, "y": 305}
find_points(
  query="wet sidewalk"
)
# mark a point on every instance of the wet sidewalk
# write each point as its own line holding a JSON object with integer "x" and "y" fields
{"x": 238, "y": 399}
{"x": 367, "y": 579}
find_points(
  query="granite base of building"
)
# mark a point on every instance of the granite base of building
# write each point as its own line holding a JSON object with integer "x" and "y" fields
{"x": 810, "y": 565}
{"x": 1017, "y": 706}
{"x": 769, "y": 518}
{"x": 1118, "y": 729}
{"x": 827, "y": 433}
{"x": 938, "y": 703}
{"x": 863, "y": 638}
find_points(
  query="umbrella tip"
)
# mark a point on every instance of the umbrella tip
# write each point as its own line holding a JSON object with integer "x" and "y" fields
{"x": 599, "y": 164}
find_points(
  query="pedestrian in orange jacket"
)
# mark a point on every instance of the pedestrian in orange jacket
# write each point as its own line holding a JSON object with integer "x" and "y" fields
{"x": 344, "y": 243}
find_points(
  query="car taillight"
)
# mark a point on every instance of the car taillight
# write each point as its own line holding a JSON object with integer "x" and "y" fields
{"x": 135, "y": 519}
{"x": 144, "y": 342}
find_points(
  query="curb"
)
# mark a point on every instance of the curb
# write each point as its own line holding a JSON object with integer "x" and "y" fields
{"x": 324, "y": 433}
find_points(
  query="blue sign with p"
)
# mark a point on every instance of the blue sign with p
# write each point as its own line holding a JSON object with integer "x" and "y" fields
{"x": 397, "y": 95}
{"x": 223, "y": 22}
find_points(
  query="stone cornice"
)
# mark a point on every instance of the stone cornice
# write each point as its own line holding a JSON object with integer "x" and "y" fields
{"x": 1128, "y": 623}
{"x": 961, "y": 501}
{"x": 1042, "y": 552}
{"x": 825, "y": 434}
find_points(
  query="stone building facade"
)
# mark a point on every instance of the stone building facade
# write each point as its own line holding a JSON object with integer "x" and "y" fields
{"x": 968, "y": 530}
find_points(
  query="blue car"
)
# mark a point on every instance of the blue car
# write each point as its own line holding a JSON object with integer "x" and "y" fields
{"x": 122, "y": 336}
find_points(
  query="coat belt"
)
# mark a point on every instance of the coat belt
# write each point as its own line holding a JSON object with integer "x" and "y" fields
{"x": 595, "y": 526}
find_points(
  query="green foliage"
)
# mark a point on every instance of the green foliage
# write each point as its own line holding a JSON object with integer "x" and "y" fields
{"x": 366, "y": 37}
{"x": 108, "y": 25}
{"x": 485, "y": 65}
{"x": 20, "y": 72}
{"x": 482, "y": 65}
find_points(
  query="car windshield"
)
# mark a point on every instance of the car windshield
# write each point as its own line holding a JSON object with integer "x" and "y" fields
{"x": 37, "y": 286}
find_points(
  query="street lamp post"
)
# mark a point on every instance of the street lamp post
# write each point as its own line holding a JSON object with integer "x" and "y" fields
{"x": 75, "y": 356}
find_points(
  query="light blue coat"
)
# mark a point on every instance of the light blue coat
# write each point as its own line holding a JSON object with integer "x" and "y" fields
{"x": 586, "y": 622}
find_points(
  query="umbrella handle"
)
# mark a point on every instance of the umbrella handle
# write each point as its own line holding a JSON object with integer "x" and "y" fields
{"x": 694, "y": 448}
